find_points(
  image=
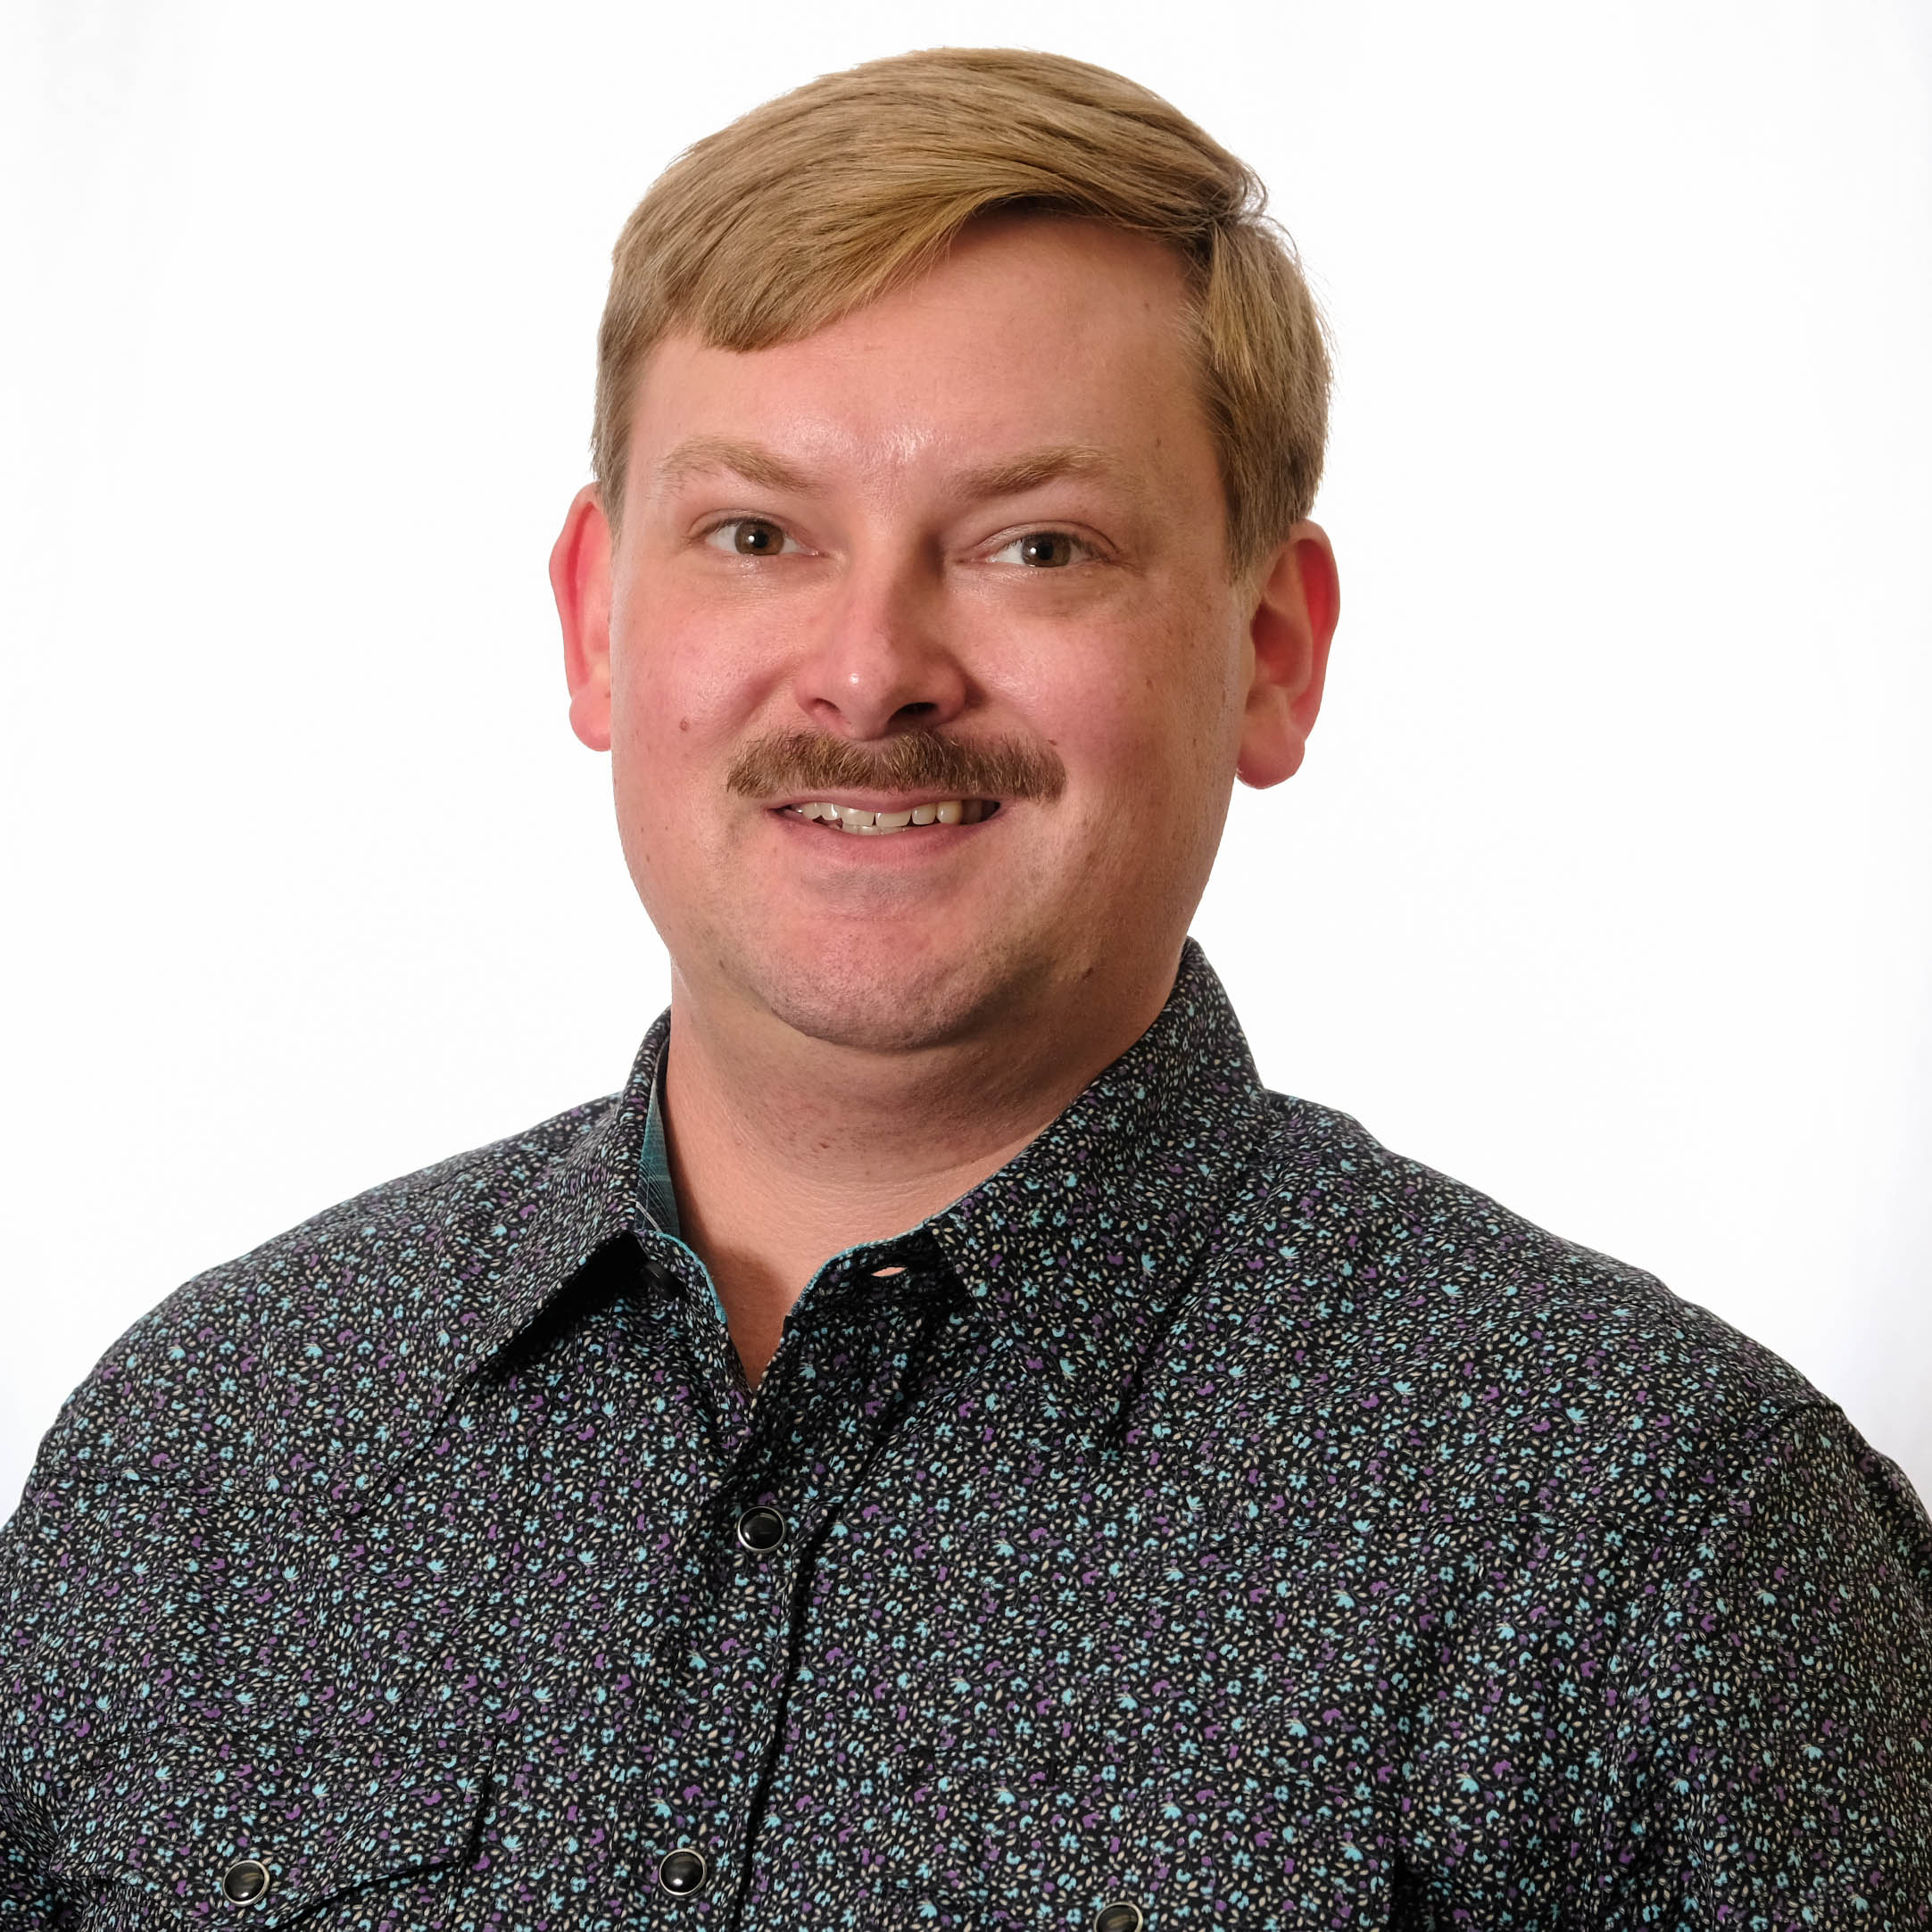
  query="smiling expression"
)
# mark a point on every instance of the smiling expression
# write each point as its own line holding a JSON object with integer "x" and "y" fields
{"x": 922, "y": 667}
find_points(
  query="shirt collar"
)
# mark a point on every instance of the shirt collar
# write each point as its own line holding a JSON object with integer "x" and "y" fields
{"x": 1082, "y": 1247}
{"x": 1073, "y": 1248}
{"x": 576, "y": 1204}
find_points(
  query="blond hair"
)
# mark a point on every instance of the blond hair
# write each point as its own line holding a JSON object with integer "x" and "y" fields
{"x": 855, "y": 184}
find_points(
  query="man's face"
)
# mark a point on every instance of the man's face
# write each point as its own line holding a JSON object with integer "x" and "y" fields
{"x": 960, "y": 556}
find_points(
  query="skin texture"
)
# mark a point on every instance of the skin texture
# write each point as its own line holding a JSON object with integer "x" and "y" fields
{"x": 864, "y": 1027}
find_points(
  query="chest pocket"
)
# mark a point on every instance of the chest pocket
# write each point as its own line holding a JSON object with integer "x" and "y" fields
{"x": 187, "y": 1825}
{"x": 1165, "y": 1851}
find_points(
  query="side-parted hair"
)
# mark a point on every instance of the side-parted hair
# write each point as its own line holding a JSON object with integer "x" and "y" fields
{"x": 824, "y": 200}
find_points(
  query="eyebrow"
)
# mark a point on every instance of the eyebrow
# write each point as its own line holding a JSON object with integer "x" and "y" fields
{"x": 767, "y": 470}
{"x": 698, "y": 455}
{"x": 1020, "y": 474}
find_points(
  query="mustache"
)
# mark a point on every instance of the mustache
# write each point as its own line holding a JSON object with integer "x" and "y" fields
{"x": 809, "y": 761}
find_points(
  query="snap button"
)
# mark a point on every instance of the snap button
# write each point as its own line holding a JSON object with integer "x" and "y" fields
{"x": 245, "y": 1881}
{"x": 1119, "y": 1917}
{"x": 761, "y": 1530}
{"x": 684, "y": 1871}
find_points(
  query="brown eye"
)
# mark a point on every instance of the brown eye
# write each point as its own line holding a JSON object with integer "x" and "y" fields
{"x": 751, "y": 538}
{"x": 1046, "y": 550}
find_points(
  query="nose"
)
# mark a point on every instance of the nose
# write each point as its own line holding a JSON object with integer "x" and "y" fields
{"x": 880, "y": 660}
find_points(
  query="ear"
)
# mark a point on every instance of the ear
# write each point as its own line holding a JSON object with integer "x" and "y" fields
{"x": 580, "y": 578}
{"x": 1297, "y": 600}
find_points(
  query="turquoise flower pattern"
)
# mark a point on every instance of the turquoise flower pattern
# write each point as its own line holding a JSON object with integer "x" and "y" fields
{"x": 1213, "y": 1520}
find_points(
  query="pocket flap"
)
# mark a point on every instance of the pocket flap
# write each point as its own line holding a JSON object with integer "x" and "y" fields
{"x": 175, "y": 1813}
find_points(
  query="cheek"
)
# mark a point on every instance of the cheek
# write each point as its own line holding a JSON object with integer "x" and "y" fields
{"x": 681, "y": 692}
{"x": 1150, "y": 710}
{"x": 670, "y": 742}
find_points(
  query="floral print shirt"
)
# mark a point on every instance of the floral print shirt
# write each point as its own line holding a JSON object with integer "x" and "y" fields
{"x": 1213, "y": 1519}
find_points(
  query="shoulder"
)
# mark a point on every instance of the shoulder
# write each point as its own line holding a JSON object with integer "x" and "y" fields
{"x": 366, "y": 1294}
{"x": 1603, "y": 1504}
{"x": 1519, "y": 1369}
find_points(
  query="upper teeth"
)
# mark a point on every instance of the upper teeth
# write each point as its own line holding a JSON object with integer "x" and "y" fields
{"x": 941, "y": 812}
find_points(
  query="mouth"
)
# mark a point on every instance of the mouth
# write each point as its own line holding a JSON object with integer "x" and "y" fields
{"x": 874, "y": 825}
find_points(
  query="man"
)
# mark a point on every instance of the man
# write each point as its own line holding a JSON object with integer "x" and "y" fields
{"x": 945, "y": 1446}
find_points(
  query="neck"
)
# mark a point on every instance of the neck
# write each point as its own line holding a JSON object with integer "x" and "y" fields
{"x": 785, "y": 1150}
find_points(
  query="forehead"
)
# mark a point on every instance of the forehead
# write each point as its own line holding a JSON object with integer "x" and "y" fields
{"x": 1030, "y": 334}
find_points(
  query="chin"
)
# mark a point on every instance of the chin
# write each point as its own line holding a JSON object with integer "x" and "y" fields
{"x": 879, "y": 1002}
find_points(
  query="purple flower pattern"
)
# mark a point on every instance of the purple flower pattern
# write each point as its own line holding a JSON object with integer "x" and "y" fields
{"x": 1213, "y": 1520}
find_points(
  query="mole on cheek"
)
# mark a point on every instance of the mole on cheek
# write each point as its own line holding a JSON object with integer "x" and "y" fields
{"x": 683, "y": 724}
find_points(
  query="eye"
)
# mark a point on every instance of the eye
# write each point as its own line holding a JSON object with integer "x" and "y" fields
{"x": 749, "y": 536}
{"x": 1043, "y": 549}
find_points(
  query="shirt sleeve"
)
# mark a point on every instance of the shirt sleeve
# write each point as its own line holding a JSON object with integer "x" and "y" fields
{"x": 27, "y": 1899}
{"x": 1774, "y": 1750}
{"x": 68, "y": 1585}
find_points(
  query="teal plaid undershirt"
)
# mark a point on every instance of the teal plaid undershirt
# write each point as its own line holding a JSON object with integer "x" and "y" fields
{"x": 659, "y": 1192}
{"x": 660, "y": 1196}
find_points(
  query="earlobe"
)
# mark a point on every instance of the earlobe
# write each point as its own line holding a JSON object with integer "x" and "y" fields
{"x": 580, "y": 580}
{"x": 1298, "y": 602}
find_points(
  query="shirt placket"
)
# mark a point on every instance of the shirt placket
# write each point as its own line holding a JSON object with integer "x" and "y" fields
{"x": 856, "y": 1353}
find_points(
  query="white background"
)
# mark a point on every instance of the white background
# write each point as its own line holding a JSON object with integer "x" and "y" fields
{"x": 1605, "y": 886}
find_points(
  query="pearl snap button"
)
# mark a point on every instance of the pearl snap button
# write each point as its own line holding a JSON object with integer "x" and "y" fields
{"x": 761, "y": 1530}
{"x": 1119, "y": 1917}
{"x": 245, "y": 1881}
{"x": 682, "y": 1871}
